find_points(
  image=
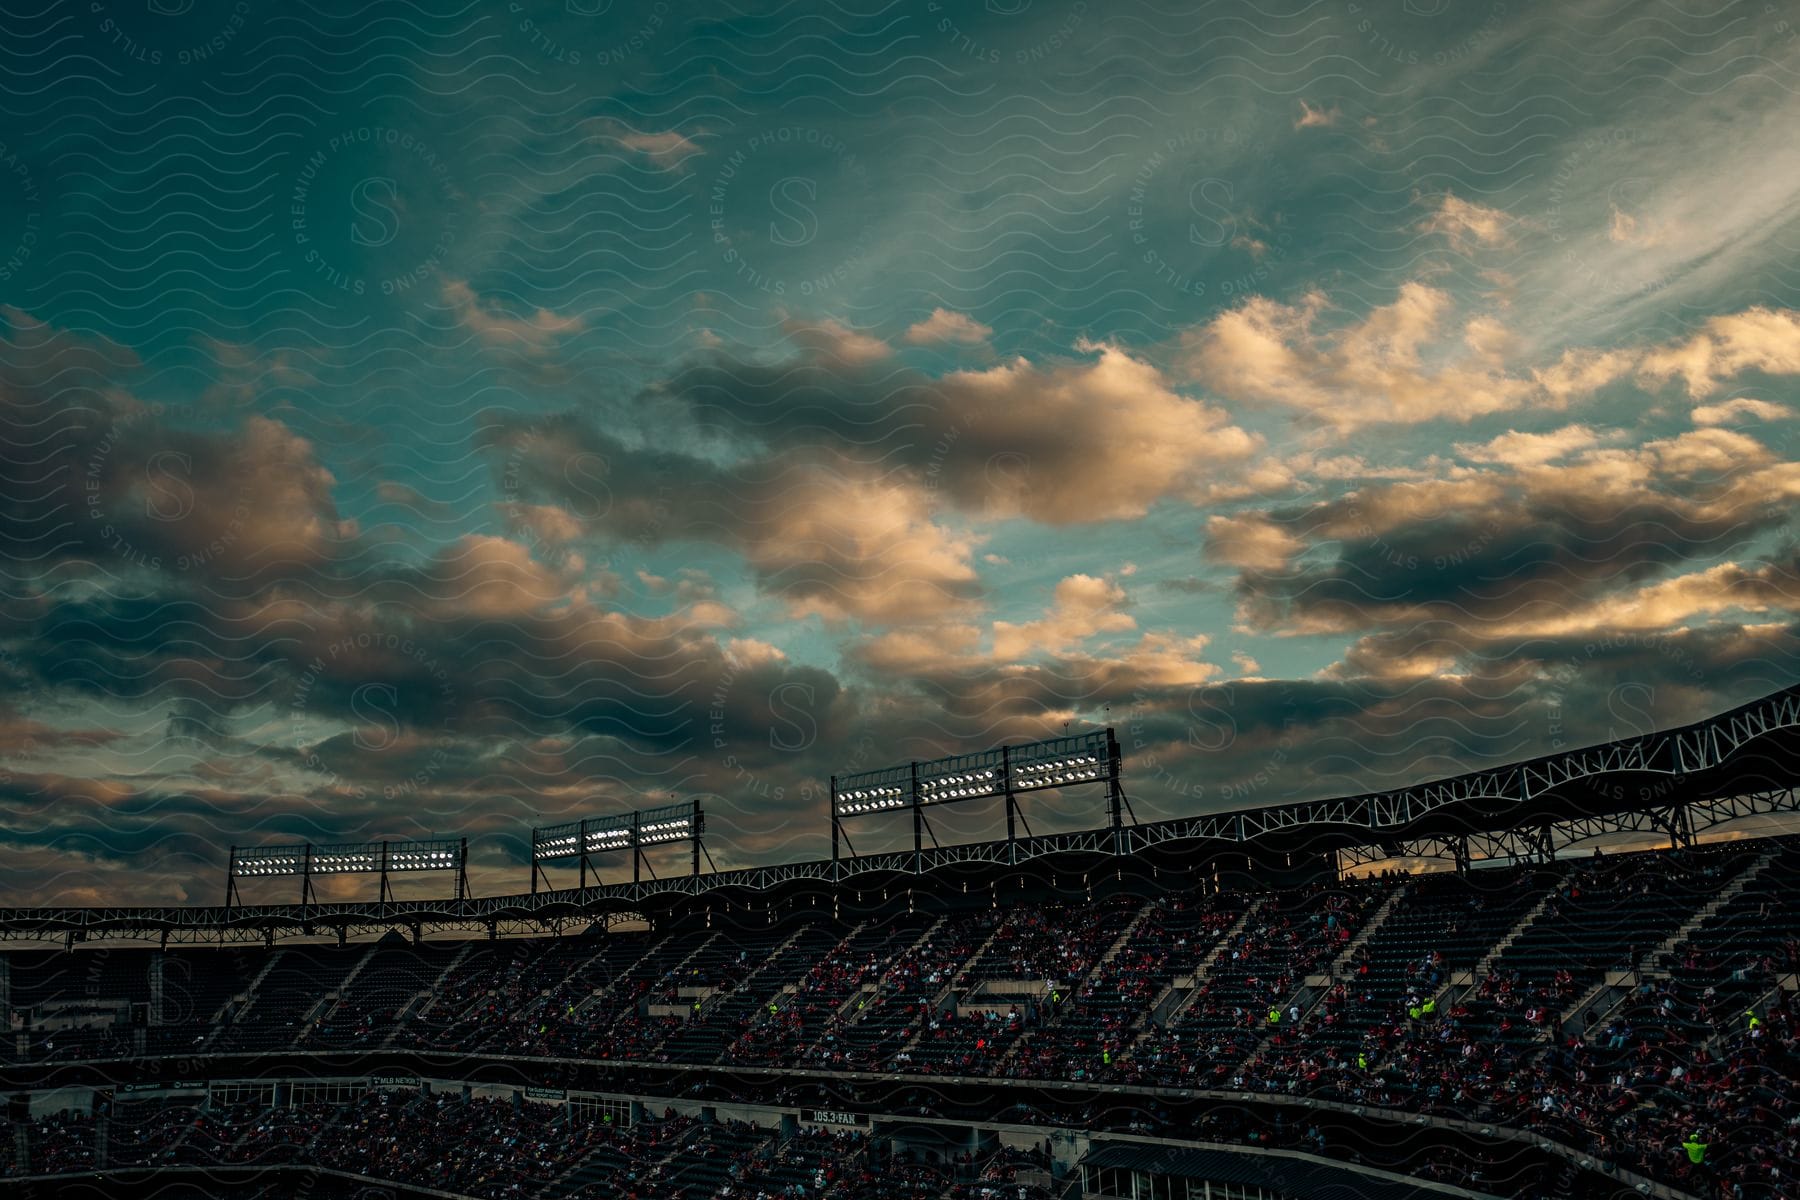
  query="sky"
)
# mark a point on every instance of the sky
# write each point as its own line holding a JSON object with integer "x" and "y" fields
{"x": 441, "y": 419}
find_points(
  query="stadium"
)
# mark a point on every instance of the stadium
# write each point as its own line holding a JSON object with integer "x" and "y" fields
{"x": 1247, "y": 1004}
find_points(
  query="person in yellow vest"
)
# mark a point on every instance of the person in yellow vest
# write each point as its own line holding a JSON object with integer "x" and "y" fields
{"x": 1753, "y": 1020}
{"x": 1696, "y": 1149}
{"x": 1415, "y": 1011}
{"x": 1274, "y": 1015}
{"x": 1362, "y": 1062}
{"x": 1429, "y": 1007}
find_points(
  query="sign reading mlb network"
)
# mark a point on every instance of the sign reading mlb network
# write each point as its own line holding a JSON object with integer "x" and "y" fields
{"x": 831, "y": 1116}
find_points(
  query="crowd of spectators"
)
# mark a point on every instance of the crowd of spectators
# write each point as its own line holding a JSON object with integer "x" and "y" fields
{"x": 867, "y": 1034}
{"x": 793, "y": 1020}
{"x": 1671, "y": 1083}
{"x": 61, "y": 1144}
{"x": 496, "y": 1148}
{"x": 1578, "y": 1023}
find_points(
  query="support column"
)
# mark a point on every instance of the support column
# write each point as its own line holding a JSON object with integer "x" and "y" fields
{"x": 918, "y": 824}
{"x": 836, "y": 831}
{"x": 581, "y": 844}
{"x": 1115, "y": 792}
{"x": 157, "y": 958}
{"x": 1012, "y": 812}
{"x": 1681, "y": 827}
{"x": 699, "y": 828}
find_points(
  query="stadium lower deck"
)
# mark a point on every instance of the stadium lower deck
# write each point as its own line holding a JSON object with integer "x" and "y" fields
{"x": 1563, "y": 1030}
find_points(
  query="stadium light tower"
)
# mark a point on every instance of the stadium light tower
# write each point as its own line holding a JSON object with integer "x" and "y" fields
{"x": 633, "y": 831}
{"x": 306, "y": 861}
{"x": 1005, "y": 771}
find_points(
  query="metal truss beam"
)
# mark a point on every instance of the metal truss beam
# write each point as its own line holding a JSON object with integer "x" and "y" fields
{"x": 1357, "y": 827}
{"x": 1681, "y": 823}
{"x": 1707, "y": 814}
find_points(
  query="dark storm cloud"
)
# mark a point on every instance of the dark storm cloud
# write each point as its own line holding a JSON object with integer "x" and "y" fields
{"x": 1095, "y": 436}
{"x": 1504, "y": 548}
{"x": 826, "y": 534}
{"x": 107, "y": 819}
{"x": 95, "y": 473}
{"x": 848, "y": 481}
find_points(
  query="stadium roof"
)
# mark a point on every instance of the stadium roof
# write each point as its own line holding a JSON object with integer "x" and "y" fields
{"x": 1674, "y": 782}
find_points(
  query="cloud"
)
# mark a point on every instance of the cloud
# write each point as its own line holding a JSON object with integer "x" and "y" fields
{"x": 840, "y": 547}
{"x": 1316, "y": 118}
{"x": 1078, "y": 442}
{"x": 1556, "y": 525}
{"x": 1757, "y": 339}
{"x": 488, "y": 578}
{"x": 668, "y": 149}
{"x": 1729, "y": 587}
{"x": 1626, "y": 229}
{"x": 1467, "y": 224}
{"x": 1056, "y": 441}
{"x": 827, "y": 536}
{"x": 1039, "y": 673}
{"x": 1163, "y": 660}
{"x": 1052, "y": 661}
{"x": 528, "y": 337}
{"x": 542, "y": 524}
{"x": 1415, "y": 360}
{"x": 834, "y": 341}
{"x": 1580, "y": 373}
{"x": 94, "y": 473}
{"x": 946, "y": 326}
{"x": 1083, "y": 606}
{"x": 23, "y": 737}
{"x": 1516, "y": 449}
{"x": 1252, "y": 541}
{"x": 1396, "y": 365}
{"x": 1739, "y": 408}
